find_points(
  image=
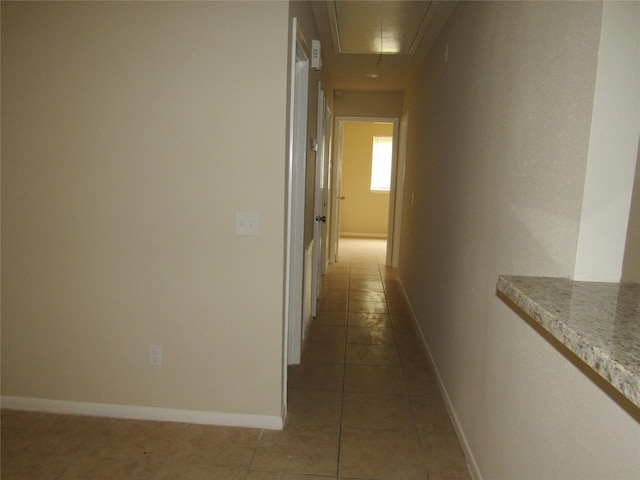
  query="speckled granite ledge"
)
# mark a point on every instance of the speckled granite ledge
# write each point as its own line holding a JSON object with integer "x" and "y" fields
{"x": 599, "y": 322}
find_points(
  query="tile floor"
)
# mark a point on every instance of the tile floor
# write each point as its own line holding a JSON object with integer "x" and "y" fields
{"x": 363, "y": 404}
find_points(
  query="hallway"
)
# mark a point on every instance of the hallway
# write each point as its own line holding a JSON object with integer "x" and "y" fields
{"x": 363, "y": 404}
{"x": 364, "y": 371}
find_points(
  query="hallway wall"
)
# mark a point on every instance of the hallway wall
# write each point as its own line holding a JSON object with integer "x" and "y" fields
{"x": 131, "y": 133}
{"x": 631, "y": 264}
{"x": 364, "y": 104}
{"x": 497, "y": 153}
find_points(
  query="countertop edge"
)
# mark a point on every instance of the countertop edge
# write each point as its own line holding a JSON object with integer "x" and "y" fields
{"x": 615, "y": 373}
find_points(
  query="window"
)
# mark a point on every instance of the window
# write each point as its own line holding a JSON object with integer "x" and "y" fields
{"x": 381, "y": 164}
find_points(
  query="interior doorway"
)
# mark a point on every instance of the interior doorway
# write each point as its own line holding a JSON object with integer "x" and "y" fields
{"x": 360, "y": 208}
{"x": 366, "y": 179}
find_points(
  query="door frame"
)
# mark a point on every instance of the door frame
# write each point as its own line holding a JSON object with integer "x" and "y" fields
{"x": 336, "y": 192}
{"x": 296, "y": 178}
{"x": 398, "y": 181}
{"x": 395, "y": 193}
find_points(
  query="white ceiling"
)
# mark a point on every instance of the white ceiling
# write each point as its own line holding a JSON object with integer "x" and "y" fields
{"x": 376, "y": 45}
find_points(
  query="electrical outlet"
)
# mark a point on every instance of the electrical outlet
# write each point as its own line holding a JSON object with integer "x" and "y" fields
{"x": 248, "y": 224}
{"x": 155, "y": 355}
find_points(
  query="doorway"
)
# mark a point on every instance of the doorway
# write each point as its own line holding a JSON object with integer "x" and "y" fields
{"x": 361, "y": 209}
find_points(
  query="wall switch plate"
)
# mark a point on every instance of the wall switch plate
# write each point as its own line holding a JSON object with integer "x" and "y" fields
{"x": 248, "y": 224}
{"x": 316, "y": 58}
{"x": 155, "y": 355}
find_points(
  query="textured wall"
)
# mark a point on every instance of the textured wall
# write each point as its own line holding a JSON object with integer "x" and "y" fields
{"x": 359, "y": 104}
{"x": 497, "y": 153}
{"x": 631, "y": 265}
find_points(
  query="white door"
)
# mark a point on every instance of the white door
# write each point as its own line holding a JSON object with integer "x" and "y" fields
{"x": 319, "y": 210}
{"x": 296, "y": 168}
{"x": 326, "y": 153}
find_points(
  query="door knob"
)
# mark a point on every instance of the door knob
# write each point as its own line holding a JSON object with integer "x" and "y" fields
{"x": 322, "y": 219}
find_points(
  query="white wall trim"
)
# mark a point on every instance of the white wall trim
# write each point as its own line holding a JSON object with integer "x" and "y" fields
{"x": 132, "y": 412}
{"x": 296, "y": 174}
{"x": 615, "y": 130}
{"x": 472, "y": 465}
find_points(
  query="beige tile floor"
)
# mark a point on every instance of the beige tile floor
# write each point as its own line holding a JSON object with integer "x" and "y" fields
{"x": 363, "y": 404}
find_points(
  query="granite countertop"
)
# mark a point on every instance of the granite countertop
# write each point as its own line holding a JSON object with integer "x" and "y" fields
{"x": 599, "y": 322}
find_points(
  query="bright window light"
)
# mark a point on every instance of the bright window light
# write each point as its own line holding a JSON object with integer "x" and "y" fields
{"x": 381, "y": 164}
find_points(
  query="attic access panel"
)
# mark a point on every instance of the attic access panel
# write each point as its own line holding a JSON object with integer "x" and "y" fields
{"x": 374, "y": 27}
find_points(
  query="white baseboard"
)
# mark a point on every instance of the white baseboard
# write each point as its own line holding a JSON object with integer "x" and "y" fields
{"x": 132, "y": 412}
{"x": 472, "y": 465}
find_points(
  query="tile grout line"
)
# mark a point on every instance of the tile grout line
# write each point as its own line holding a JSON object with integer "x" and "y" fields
{"x": 255, "y": 452}
{"x": 344, "y": 374}
{"x": 409, "y": 396}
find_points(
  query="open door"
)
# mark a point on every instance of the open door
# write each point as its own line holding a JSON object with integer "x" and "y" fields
{"x": 296, "y": 168}
{"x": 320, "y": 201}
{"x": 327, "y": 138}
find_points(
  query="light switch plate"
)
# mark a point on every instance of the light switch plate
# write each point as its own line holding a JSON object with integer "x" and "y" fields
{"x": 248, "y": 224}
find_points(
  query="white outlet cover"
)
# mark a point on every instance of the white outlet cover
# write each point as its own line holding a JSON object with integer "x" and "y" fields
{"x": 248, "y": 224}
{"x": 155, "y": 355}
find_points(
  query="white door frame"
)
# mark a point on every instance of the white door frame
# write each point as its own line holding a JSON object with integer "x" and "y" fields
{"x": 399, "y": 172}
{"x": 397, "y": 186}
{"x": 336, "y": 193}
{"x": 296, "y": 168}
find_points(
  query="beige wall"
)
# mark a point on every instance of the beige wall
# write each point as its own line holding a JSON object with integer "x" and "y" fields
{"x": 131, "y": 133}
{"x": 497, "y": 147}
{"x": 364, "y": 104}
{"x": 363, "y": 212}
{"x": 631, "y": 265}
